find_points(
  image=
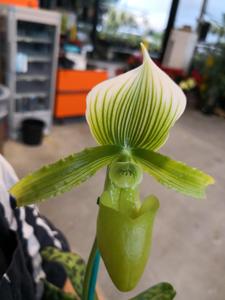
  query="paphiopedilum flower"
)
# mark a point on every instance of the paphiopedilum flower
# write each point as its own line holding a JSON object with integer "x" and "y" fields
{"x": 130, "y": 117}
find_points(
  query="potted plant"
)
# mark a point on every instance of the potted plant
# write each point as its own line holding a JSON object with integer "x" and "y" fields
{"x": 130, "y": 117}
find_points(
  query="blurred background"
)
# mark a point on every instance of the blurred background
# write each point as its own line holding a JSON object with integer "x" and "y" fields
{"x": 51, "y": 55}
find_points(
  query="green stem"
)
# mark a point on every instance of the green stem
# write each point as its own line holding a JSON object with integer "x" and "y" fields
{"x": 91, "y": 273}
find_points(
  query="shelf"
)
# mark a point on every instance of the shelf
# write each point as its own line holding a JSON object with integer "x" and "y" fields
{"x": 33, "y": 113}
{"x": 32, "y": 57}
{"x": 32, "y": 77}
{"x": 39, "y": 59}
{"x": 30, "y": 95}
{"x": 27, "y": 39}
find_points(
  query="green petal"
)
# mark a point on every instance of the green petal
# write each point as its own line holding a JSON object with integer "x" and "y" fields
{"x": 135, "y": 109}
{"x": 173, "y": 174}
{"x": 161, "y": 291}
{"x": 62, "y": 175}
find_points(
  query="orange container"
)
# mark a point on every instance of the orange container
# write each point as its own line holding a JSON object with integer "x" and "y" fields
{"x": 28, "y": 3}
{"x": 72, "y": 89}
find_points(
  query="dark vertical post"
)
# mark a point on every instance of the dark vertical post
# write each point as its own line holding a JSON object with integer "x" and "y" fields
{"x": 95, "y": 23}
{"x": 202, "y": 14}
{"x": 170, "y": 23}
{"x": 49, "y": 4}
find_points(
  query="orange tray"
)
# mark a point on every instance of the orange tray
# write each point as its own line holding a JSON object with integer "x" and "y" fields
{"x": 28, "y": 3}
{"x": 72, "y": 89}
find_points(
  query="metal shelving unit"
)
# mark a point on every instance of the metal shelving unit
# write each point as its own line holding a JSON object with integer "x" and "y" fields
{"x": 29, "y": 61}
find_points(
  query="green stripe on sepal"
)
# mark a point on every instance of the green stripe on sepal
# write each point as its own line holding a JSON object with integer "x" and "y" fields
{"x": 124, "y": 241}
{"x": 135, "y": 109}
{"x": 63, "y": 175}
{"x": 160, "y": 291}
{"x": 173, "y": 174}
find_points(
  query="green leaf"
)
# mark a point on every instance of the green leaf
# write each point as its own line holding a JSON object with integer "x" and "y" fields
{"x": 73, "y": 264}
{"x": 52, "y": 292}
{"x": 161, "y": 291}
{"x": 62, "y": 175}
{"x": 173, "y": 174}
{"x": 135, "y": 109}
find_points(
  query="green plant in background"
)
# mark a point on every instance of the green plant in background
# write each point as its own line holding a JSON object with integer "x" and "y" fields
{"x": 121, "y": 28}
{"x": 130, "y": 117}
{"x": 209, "y": 63}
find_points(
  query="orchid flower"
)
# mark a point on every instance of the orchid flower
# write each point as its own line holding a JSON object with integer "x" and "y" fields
{"x": 130, "y": 117}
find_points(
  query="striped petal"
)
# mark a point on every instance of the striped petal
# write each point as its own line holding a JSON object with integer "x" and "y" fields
{"x": 173, "y": 174}
{"x": 135, "y": 109}
{"x": 61, "y": 176}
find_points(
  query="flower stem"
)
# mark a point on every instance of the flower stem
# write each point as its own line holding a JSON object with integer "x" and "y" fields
{"x": 91, "y": 273}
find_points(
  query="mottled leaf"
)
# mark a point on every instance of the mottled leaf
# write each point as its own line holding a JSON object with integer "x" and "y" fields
{"x": 51, "y": 292}
{"x": 73, "y": 264}
{"x": 161, "y": 291}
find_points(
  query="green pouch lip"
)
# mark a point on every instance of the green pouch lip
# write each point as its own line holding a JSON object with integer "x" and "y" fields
{"x": 145, "y": 209}
{"x": 125, "y": 243}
